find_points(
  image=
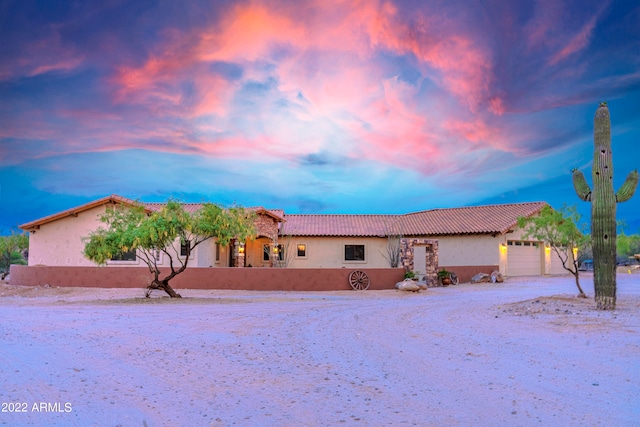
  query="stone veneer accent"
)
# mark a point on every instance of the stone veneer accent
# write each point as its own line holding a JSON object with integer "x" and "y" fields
{"x": 266, "y": 226}
{"x": 431, "y": 258}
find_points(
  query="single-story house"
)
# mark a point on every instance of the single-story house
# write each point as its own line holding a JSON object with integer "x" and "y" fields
{"x": 470, "y": 239}
{"x": 58, "y": 239}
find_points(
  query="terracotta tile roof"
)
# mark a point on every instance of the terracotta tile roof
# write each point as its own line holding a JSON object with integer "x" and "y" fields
{"x": 194, "y": 207}
{"x": 490, "y": 219}
{"x": 336, "y": 225}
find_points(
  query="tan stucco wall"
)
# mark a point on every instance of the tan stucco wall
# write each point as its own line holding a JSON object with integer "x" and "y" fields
{"x": 206, "y": 254}
{"x": 452, "y": 251}
{"x": 254, "y": 250}
{"x": 60, "y": 242}
{"x": 469, "y": 250}
{"x": 328, "y": 252}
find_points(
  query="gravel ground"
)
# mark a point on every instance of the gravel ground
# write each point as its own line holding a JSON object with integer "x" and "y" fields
{"x": 524, "y": 352}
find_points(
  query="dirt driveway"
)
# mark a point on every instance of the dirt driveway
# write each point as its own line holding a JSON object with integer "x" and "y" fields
{"x": 521, "y": 353}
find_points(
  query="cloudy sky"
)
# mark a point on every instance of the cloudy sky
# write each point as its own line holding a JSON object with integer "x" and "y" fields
{"x": 318, "y": 106}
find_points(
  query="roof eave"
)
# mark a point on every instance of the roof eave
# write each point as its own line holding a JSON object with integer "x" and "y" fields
{"x": 267, "y": 212}
{"x": 75, "y": 211}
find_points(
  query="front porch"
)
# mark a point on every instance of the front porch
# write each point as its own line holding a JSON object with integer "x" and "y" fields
{"x": 263, "y": 251}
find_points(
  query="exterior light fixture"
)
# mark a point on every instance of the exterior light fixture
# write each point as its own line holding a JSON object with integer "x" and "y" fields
{"x": 241, "y": 249}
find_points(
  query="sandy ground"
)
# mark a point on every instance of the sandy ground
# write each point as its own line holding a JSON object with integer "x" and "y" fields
{"x": 522, "y": 353}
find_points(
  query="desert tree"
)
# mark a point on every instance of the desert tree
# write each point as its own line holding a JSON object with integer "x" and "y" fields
{"x": 12, "y": 248}
{"x": 172, "y": 231}
{"x": 559, "y": 229}
{"x": 627, "y": 245}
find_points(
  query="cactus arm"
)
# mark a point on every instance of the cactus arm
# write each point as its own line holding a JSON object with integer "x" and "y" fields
{"x": 580, "y": 184}
{"x": 628, "y": 188}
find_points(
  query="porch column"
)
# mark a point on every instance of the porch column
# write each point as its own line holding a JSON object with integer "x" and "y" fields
{"x": 407, "y": 254}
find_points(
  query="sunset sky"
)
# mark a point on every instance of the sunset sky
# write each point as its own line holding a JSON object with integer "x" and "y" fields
{"x": 313, "y": 106}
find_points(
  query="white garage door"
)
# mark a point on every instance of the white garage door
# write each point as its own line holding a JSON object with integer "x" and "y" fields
{"x": 556, "y": 263}
{"x": 524, "y": 258}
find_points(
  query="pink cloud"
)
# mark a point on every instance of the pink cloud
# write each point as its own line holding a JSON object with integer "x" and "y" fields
{"x": 247, "y": 33}
{"x": 328, "y": 59}
{"x": 478, "y": 132}
{"x": 578, "y": 42}
{"x": 464, "y": 66}
{"x": 496, "y": 105}
{"x": 43, "y": 55}
{"x": 62, "y": 65}
{"x": 551, "y": 29}
{"x": 396, "y": 132}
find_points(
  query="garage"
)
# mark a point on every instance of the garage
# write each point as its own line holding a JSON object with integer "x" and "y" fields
{"x": 556, "y": 264}
{"x": 524, "y": 258}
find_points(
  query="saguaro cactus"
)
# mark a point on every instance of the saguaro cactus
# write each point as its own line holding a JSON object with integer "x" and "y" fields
{"x": 603, "y": 208}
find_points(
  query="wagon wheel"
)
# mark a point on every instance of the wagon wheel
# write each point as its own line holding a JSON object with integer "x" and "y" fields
{"x": 359, "y": 280}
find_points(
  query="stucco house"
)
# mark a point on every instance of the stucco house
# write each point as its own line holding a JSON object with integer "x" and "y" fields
{"x": 470, "y": 239}
{"x": 57, "y": 240}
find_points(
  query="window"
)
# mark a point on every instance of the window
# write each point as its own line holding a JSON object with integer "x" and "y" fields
{"x": 266, "y": 252}
{"x": 125, "y": 256}
{"x": 184, "y": 248}
{"x": 217, "y": 252}
{"x": 354, "y": 252}
{"x": 301, "y": 250}
{"x": 523, "y": 243}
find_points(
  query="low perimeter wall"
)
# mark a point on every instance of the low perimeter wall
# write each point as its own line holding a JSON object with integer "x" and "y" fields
{"x": 466, "y": 272}
{"x": 263, "y": 279}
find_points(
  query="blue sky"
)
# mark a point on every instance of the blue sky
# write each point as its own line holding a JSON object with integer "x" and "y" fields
{"x": 313, "y": 106}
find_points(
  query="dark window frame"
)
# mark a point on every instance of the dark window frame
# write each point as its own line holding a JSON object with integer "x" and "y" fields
{"x": 125, "y": 256}
{"x": 183, "y": 249}
{"x": 354, "y": 253}
{"x": 301, "y": 253}
{"x": 267, "y": 250}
